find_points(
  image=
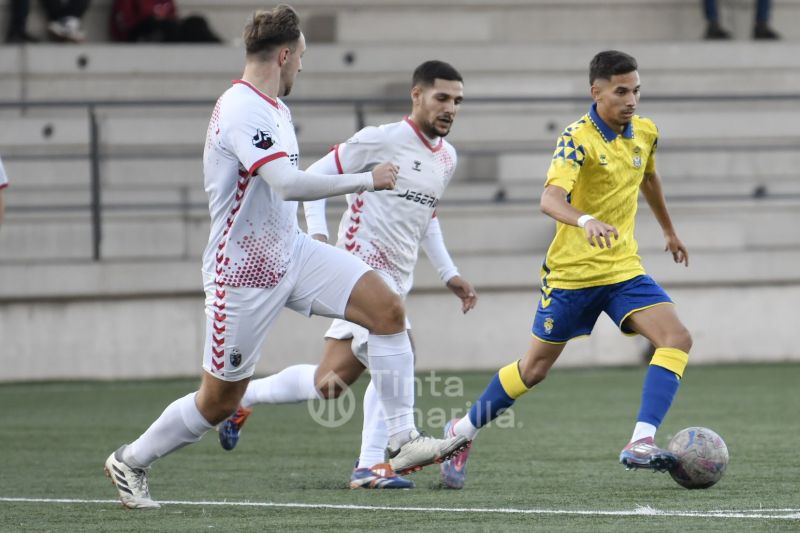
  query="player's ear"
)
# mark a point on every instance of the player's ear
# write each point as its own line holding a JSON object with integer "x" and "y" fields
{"x": 416, "y": 94}
{"x": 595, "y": 89}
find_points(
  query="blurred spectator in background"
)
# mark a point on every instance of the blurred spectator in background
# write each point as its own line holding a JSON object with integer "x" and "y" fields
{"x": 3, "y": 185}
{"x": 157, "y": 21}
{"x": 64, "y": 19}
{"x": 761, "y": 29}
{"x": 17, "y": 21}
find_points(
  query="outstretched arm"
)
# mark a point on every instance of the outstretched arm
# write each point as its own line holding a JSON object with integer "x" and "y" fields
{"x": 554, "y": 204}
{"x": 654, "y": 194}
{"x": 294, "y": 184}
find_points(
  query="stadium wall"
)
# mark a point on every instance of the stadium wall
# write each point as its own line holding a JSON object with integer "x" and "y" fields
{"x": 126, "y": 338}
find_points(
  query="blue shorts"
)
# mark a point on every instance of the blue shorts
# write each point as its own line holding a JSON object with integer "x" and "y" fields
{"x": 569, "y": 313}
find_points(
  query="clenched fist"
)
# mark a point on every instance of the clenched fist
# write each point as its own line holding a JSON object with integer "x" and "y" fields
{"x": 384, "y": 176}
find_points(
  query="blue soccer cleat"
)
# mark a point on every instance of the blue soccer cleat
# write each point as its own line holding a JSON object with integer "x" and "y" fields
{"x": 380, "y": 476}
{"x": 454, "y": 471}
{"x": 230, "y": 429}
{"x": 643, "y": 453}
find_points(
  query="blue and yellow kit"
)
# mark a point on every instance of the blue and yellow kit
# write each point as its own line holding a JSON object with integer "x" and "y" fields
{"x": 601, "y": 170}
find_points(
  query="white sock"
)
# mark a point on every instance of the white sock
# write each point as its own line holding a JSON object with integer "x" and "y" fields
{"x": 180, "y": 424}
{"x": 290, "y": 385}
{"x": 391, "y": 364}
{"x": 642, "y": 430}
{"x": 465, "y": 428}
{"x": 374, "y": 437}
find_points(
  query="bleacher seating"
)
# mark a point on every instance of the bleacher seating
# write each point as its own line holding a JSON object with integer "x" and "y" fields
{"x": 729, "y": 166}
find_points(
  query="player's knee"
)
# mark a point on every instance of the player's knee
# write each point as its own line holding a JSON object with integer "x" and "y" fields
{"x": 330, "y": 386}
{"x": 390, "y": 318}
{"x": 681, "y": 339}
{"x": 533, "y": 374}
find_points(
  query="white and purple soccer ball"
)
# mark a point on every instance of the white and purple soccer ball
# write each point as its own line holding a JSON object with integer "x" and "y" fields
{"x": 702, "y": 457}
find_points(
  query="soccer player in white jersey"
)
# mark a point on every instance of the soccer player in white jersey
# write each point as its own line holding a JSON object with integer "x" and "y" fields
{"x": 3, "y": 185}
{"x": 257, "y": 261}
{"x": 386, "y": 230}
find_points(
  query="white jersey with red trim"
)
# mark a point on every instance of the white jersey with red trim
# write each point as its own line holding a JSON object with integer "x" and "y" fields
{"x": 384, "y": 228}
{"x": 253, "y": 230}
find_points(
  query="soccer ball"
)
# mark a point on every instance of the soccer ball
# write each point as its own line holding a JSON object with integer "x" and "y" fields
{"x": 702, "y": 457}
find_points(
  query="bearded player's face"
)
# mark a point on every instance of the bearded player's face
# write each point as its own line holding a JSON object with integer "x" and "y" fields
{"x": 436, "y": 106}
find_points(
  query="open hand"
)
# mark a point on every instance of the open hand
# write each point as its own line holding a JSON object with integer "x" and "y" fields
{"x": 464, "y": 290}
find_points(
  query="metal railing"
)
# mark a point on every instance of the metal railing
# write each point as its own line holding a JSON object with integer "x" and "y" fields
{"x": 358, "y": 106}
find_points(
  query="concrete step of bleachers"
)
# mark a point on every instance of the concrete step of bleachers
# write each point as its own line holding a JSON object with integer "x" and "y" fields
{"x": 469, "y": 21}
{"x": 496, "y": 272}
{"x": 333, "y": 70}
{"x": 150, "y": 224}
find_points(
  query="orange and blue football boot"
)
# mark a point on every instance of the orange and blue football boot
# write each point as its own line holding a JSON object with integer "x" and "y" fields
{"x": 380, "y": 476}
{"x": 230, "y": 429}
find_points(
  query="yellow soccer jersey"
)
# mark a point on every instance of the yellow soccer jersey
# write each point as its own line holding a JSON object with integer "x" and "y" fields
{"x": 601, "y": 172}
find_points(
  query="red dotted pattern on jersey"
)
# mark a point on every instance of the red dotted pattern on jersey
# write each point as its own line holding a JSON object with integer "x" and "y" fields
{"x": 264, "y": 260}
{"x": 213, "y": 125}
{"x": 444, "y": 162}
{"x": 381, "y": 258}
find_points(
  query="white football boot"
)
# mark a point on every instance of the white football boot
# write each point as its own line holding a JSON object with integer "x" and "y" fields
{"x": 131, "y": 483}
{"x": 423, "y": 450}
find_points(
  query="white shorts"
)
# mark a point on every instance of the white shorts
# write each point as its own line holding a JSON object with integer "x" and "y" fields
{"x": 319, "y": 281}
{"x": 342, "y": 329}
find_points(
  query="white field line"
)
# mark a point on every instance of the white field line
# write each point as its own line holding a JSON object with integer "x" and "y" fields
{"x": 773, "y": 514}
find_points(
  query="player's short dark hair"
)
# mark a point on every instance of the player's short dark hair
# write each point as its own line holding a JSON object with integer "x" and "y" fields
{"x": 610, "y": 63}
{"x": 427, "y": 73}
{"x": 267, "y": 30}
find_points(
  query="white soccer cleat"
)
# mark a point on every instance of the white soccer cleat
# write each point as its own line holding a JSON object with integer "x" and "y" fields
{"x": 131, "y": 483}
{"x": 423, "y": 450}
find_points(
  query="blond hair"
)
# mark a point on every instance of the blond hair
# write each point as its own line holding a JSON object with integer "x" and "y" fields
{"x": 267, "y": 30}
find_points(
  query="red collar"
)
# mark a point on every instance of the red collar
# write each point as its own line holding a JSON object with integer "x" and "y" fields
{"x": 422, "y": 137}
{"x": 259, "y": 93}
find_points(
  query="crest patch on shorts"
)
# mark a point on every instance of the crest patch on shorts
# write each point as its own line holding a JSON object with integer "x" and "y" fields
{"x": 235, "y": 357}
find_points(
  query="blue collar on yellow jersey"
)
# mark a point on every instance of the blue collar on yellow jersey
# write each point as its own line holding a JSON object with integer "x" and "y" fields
{"x": 605, "y": 130}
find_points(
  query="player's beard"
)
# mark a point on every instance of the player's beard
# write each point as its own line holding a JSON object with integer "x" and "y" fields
{"x": 431, "y": 131}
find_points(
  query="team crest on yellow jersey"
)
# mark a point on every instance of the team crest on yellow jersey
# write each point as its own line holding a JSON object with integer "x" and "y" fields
{"x": 548, "y": 325}
{"x": 603, "y": 160}
{"x": 637, "y": 157}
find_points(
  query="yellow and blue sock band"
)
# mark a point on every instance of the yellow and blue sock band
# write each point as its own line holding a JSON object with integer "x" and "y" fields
{"x": 506, "y": 386}
{"x": 672, "y": 359}
{"x": 661, "y": 384}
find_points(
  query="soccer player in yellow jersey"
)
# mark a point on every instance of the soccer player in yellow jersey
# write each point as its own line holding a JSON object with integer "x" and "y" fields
{"x": 601, "y": 163}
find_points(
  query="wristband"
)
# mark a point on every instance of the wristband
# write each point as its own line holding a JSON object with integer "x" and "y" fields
{"x": 583, "y": 219}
